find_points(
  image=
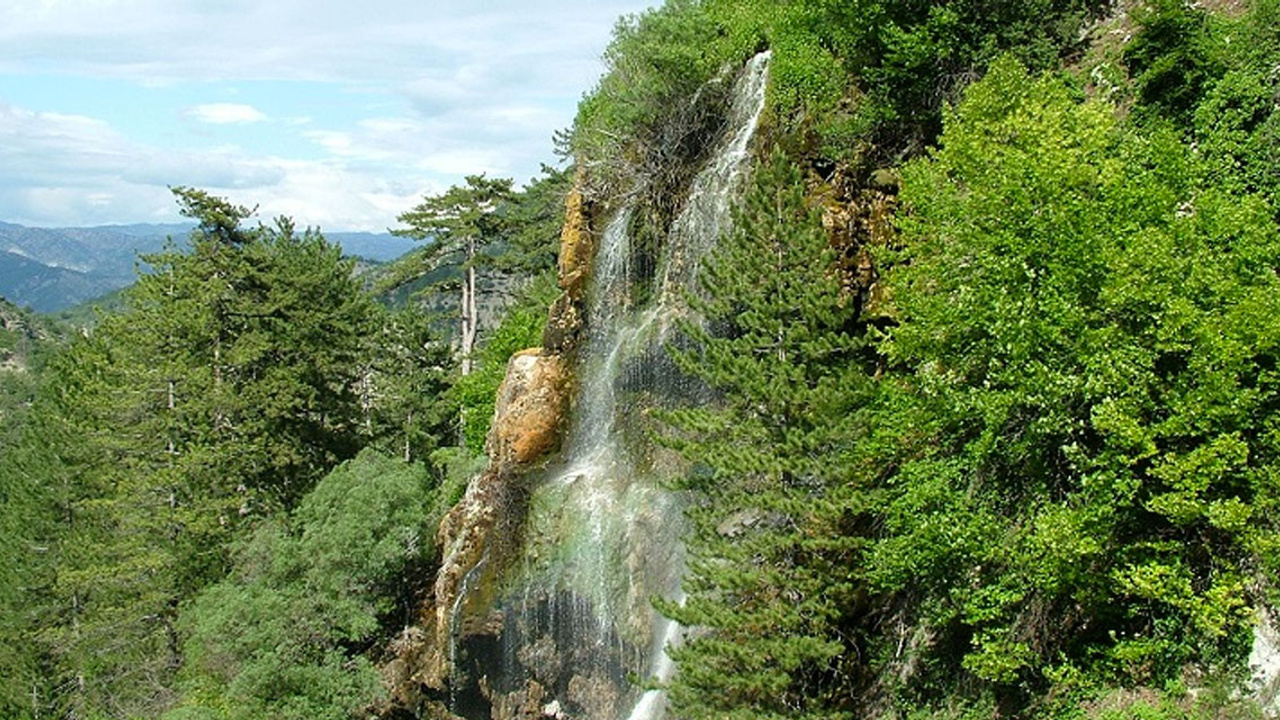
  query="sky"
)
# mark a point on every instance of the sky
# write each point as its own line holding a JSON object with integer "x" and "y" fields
{"x": 339, "y": 113}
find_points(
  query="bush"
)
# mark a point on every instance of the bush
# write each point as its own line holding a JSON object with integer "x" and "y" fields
{"x": 288, "y": 634}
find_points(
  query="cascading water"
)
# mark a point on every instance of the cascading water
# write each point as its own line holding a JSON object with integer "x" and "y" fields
{"x": 602, "y": 535}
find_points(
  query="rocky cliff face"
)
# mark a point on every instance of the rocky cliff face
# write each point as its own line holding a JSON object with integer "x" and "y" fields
{"x": 857, "y": 214}
{"x": 479, "y": 535}
{"x": 542, "y": 604}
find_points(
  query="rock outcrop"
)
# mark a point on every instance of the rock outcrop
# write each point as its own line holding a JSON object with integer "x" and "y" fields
{"x": 858, "y": 217}
{"x": 480, "y": 534}
{"x": 529, "y": 410}
{"x": 577, "y": 248}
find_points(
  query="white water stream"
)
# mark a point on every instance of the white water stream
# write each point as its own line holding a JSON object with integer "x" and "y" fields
{"x": 604, "y": 536}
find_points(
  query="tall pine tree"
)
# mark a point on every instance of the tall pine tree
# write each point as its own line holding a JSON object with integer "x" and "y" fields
{"x": 460, "y": 224}
{"x": 768, "y": 580}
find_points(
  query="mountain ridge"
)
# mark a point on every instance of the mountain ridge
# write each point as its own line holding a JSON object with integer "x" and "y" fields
{"x": 51, "y": 269}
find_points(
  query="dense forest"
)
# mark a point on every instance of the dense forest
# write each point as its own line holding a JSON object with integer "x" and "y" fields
{"x": 992, "y": 407}
{"x": 219, "y": 496}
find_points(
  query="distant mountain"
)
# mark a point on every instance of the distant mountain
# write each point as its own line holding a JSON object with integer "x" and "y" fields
{"x": 372, "y": 246}
{"x": 50, "y": 269}
{"x": 48, "y": 288}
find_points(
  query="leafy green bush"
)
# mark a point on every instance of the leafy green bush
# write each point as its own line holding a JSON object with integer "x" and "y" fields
{"x": 286, "y": 635}
{"x": 656, "y": 61}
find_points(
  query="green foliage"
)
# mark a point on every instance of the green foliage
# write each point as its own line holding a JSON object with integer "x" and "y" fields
{"x": 1236, "y": 123}
{"x": 1214, "y": 79}
{"x": 534, "y": 218}
{"x": 460, "y": 225}
{"x": 27, "y": 512}
{"x": 765, "y": 579}
{"x": 1062, "y": 482}
{"x": 284, "y": 635}
{"x": 1089, "y": 329}
{"x": 405, "y": 386}
{"x": 1217, "y": 701}
{"x": 26, "y": 344}
{"x": 462, "y": 215}
{"x": 656, "y": 61}
{"x": 1173, "y": 58}
{"x": 251, "y": 343}
{"x": 236, "y": 375}
{"x": 864, "y": 80}
{"x": 455, "y": 226}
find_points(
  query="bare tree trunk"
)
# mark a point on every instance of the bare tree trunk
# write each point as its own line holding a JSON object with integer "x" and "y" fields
{"x": 408, "y": 423}
{"x": 469, "y": 318}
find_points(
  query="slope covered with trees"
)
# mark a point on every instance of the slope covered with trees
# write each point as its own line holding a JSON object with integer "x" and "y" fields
{"x": 1016, "y": 456}
{"x": 992, "y": 347}
{"x": 201, "y": 513}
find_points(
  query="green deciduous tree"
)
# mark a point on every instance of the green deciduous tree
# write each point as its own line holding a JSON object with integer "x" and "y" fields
{"x": 285, "y": 635}
{"x": 1090, "y": 329}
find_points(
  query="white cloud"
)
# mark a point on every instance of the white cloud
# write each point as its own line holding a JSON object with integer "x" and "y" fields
{"x": 336, "y": 142}
{"x": 38, "y": 147}
{"x": 455, "y": 88}
{"x": 336, "y": 40}
{"x": 226, "y": 114}
{"x": 71, "y": 170}
{"x": 205, "y": 170}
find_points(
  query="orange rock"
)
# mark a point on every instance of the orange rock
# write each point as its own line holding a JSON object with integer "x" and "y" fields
{"x": 529, "y": 410}
{"x": 577, "y": 244}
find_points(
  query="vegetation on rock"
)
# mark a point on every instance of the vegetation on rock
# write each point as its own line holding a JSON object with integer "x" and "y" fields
{"x": 1042, "y": 473}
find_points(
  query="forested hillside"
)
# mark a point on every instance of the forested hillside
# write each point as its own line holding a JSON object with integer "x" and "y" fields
{"x": 978, "y": 411}
{"x": 995, "y": 344}
{"x": 174, "y": 478}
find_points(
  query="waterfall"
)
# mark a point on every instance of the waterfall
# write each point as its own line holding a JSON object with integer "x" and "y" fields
{"x": 603, "y": 536}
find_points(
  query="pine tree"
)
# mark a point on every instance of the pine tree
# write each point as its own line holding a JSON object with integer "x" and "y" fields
{"x": 534, "y": 221}
{"x": 405, "y": 386}
{"x": 222, "y": 392}
{"x": 768, "y": 580}
{"x": 460, "y": 224}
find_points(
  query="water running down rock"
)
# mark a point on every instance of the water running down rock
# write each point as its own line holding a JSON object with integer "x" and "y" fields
{"x": 544, "y": 604}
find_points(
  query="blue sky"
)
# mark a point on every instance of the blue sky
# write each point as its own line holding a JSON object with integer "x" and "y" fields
{"x": 341, "y": 114}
